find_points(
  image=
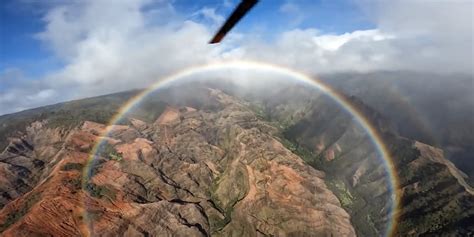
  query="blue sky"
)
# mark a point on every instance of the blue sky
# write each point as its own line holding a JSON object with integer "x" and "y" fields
{"x": 20, "y": 21}
{"x": 19, "y": 49}
{"x": 58, "y": 50}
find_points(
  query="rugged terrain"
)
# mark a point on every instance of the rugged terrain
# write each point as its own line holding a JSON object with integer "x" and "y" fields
{"x": 191, "y": 173}
{"x": 221, "y": 164}
{"x": 432, "y": 108}
{"x": 433, "y": 191}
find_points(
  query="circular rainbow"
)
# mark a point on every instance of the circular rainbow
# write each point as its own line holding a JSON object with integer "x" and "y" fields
{"x": 265, "y": 67}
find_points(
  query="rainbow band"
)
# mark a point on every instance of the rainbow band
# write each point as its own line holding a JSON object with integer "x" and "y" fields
{"x": 262, "y": 67}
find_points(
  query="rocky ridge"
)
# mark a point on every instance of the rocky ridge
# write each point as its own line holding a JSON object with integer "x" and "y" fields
{"x": 215, "y": 165}
{"x": 190, "y": 173}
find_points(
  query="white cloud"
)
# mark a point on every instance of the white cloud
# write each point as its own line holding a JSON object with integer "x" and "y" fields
{"x": 419, "y": 35}
{"x": 432, "y": 35}
{"x": 109, "y": 46}
{"x": 210, "y": 14}
{"x": 294, "y": 10}
{"x": 334, "y": 42}
{"x": 227, "y": 3}
{"x": 18, "y": 92}
{"x": 310, "y": 51}
{"x": 41, "y": 95}
{"x": 119, "y": 49}
{"x": 289, "y": 7}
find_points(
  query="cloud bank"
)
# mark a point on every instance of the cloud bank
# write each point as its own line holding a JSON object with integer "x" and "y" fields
{"x": 109, "y": 46}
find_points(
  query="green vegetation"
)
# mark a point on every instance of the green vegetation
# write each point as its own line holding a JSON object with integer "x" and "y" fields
{"x": 342, "y": 192}
{"x": 95, "y": 166}
{"x": 215, "y": 222}
{"x": 13, "y": 217}
{"x": 353, "y": 199}
{"x": 227, "y": 141}
{"x": 371, "y": 222}
{"x": 66, "y": 119}
{"x": 226, "y": 191}
{"x": 315, "y": 160}
{"x": 76, "y": 184}
{"x": 287, "y": 122}
{"x": 116, "y": 156}
{"x": 149, "y": 110}
{"x": 72, "y": 166}
{"x": 94, "y": 215}
{"x": 108, "y": 151}
{"x": 259, "y": 111}
{"x": 67, "y": 115}
{"x": 301, "y": 151}
{"x": 101, "y": 191}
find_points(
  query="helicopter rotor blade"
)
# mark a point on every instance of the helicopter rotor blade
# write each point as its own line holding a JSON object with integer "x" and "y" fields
{"x": 242, "y": 9}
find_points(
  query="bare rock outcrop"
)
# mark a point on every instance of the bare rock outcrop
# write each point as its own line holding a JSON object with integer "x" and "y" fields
{"x": 194, "y": 172}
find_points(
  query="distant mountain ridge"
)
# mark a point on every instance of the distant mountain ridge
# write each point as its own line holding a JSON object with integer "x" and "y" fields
{"x": 436, "y": 109}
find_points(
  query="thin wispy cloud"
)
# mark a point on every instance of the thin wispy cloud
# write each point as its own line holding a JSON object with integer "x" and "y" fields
{"x": 294, "y": 11}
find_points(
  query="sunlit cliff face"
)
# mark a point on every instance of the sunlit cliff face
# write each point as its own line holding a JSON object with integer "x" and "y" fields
{"x": 338, "y": 140}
